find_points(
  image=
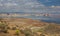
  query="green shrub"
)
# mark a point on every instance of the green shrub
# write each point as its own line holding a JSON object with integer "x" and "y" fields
{"x": 17, "y": 32}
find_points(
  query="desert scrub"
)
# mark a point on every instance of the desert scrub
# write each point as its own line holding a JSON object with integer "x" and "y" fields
{"x": 14, "y": 28}
{"x": 17, "y": 26}
{"x": 42, "y": 35}
{"x": 4, "y": 31}
{"x": 3, "y": 26}
{"x": 17, "y": 32}
{"x": 41, "y": 30}
{"x": 52, "y": 29}
{"x": 8, "y": 27}
{"x": 28, "y": 32}
{"x": 22, "y": 31}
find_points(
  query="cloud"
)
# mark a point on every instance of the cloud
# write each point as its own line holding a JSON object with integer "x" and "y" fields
{"x": 1, "y": 4}
{"x": 10, "y": 4}
{"x": 21, "y": 5}
{"x": 57, "y": 6}
{"x": 26, "y": 6}
{"x": 48, "y": 1}
{"x": 1, "y": 0}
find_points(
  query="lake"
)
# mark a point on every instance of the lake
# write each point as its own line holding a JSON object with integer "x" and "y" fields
{"x": 49, "y": 19}
{"x": 45, "y": 19}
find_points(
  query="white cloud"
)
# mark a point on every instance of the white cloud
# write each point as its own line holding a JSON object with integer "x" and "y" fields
{"x": 1, "y": 0}
{"x": 1, "y": 4}
{"x": 26, "y": 6}
{"x": 52, "y": 6}
{"x": 10, "y": 4}
{"x": 9, "y": 0}
{"x": 23, "y": 5}
{"x": 57, "y": 6}
{"x": 48, "y": 1}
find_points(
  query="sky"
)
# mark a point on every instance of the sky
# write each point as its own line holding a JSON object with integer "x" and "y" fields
{"x": 38, "y": 6}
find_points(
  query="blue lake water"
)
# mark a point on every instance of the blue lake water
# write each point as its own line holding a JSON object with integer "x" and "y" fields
{"x": 45, "y": 19}
{"x": 42, "y": 18}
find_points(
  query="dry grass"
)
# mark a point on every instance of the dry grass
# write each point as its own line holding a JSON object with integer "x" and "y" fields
{"x": 27, "y": 27}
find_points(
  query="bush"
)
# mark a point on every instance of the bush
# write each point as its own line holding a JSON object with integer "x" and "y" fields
{"x": 17, "y": 32}
{"x": 8, "y": 27}
{"x": 28, "y": 32}
{"x": 51, "y": 28}
{"x": 4, "y": 31}
{"x": 42, "y": 35}
{"x": 22, "y": 31}
{"x": 17, "y": 26}
{"x": 14, "y": 28}
{"x": 3, "y": 26}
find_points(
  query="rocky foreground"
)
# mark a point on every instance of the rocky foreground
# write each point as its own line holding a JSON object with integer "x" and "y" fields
{"x": 27, "y": 27}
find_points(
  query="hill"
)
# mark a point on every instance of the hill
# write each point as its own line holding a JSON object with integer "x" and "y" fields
{"x": 27, "y": 27}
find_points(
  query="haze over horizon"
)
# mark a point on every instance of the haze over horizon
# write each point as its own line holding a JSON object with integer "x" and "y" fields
{"x": 36, "y": 6}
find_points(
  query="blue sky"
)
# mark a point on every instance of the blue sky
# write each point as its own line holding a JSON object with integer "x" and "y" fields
{"x": 40, "y": 6}
{"x": 50, "y": 2}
